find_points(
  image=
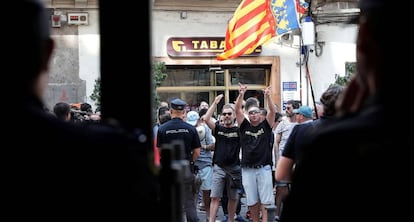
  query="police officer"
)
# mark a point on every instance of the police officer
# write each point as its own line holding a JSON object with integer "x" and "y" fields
{"x": 177, "y": 129}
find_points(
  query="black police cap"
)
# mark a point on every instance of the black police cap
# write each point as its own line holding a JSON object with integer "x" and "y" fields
{"x": 178, "y": 104}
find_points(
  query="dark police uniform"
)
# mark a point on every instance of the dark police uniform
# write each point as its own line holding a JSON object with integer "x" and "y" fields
{"x": 177, "y": 129}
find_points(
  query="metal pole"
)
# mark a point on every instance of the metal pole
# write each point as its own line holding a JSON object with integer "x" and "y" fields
{"x": 311, "y": 88}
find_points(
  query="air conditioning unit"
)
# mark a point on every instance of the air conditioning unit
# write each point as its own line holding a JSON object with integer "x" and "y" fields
{"x": 56, "y": 21}
{"x": 78, "y": 18}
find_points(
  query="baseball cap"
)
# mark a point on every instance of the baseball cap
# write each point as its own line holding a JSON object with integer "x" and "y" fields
{"x": 192, "y": 117}
{"x": 306, "y": 111}
{"x": 178, "y": 104}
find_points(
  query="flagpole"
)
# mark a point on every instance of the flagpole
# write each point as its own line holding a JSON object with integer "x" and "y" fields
{"x": 311, "y": 88}
{"x": 306, "y": 58}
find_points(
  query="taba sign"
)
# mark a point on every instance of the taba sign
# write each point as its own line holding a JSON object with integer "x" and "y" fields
{"x": 198, "y": 46}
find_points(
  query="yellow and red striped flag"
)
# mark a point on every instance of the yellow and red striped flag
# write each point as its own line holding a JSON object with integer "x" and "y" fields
{"x": 252, "y": 25}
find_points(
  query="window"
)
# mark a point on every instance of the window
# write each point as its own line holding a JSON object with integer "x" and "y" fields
{"x": 194, "y": 84}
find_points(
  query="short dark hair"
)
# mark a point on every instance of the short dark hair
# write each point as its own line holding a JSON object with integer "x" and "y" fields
{"x": 86, "y": 107}
{"x": 295, "y": 103}
{"x": 278, "y": 116}
{"x": 202, "y": 112}
{"x": 61, "y": 110}
{"x": 162, "y": 110}
{"x": 164, "y": 118}
{"x": 329, "y": 98}
{"x": 163, "y": 114}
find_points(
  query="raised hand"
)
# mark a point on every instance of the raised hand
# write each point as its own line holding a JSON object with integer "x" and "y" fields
{"x": 218, "y": 99}
{"x": 243, "y": 88}
{"x": 267, "y": 91}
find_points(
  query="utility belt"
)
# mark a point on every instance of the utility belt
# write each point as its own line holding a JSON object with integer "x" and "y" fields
{"x": 254, "y": 166}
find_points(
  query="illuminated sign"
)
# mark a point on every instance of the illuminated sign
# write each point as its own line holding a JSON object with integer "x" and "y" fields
{"x": 198, "y": 46}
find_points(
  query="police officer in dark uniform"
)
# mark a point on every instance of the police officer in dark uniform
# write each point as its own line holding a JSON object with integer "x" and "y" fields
{"x": 177, "y": 129}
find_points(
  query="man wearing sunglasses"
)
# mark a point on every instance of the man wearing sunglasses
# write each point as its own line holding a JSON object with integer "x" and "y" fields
{"x": 255, "y": 137}
{"x": 226, "y": 160}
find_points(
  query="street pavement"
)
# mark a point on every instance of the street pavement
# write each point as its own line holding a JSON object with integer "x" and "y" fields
{"x": 220, "y": 215}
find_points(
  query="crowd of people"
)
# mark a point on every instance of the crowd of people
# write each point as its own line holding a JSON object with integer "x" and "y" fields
{"x": 81, "y": 112}
{"x": 250, "y": 150}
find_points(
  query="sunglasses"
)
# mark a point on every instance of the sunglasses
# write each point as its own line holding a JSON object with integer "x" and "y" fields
{"x": 252, "y": 112}
{"x": 225, "y": 114}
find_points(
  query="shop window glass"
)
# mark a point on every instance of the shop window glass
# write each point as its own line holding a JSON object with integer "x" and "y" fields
{"x": 187, "y": 77}
{"x": 255, "y": 76}
{"x": 192, "y": 99}
{"x": 219, "y": 78}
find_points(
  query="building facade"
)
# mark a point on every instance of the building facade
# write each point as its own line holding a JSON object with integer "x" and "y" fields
{"x": 186, "y": 35}
{"x": 182, "y": 33}
{"x": 76, "y": 60}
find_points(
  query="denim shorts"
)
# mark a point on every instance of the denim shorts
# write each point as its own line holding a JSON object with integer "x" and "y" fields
{"x": 258, "y": 185}
{"x": 206, "y": 175}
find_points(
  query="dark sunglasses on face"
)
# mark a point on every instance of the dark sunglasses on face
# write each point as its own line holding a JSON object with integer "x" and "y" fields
{"x": 252, "y": 112}
{"x": 224, "y": 114}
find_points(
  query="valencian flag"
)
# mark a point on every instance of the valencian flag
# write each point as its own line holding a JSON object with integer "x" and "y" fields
{"x": 252, "y": 24}
{"x": 286, "y": 14}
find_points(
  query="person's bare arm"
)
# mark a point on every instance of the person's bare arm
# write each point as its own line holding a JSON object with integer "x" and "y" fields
{"x": 196, "y": 153}
{"x": 284, "y": 169}
{"x": 270, "y": 117}
{"x": 239, "y": 104}
{"x": 275, "y": 149}
{"x": 277, "y": 143}
{"x": 207, "y": 117}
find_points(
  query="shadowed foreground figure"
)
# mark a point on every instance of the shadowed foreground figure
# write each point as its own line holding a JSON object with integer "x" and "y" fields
{"x": 359, "y": 167}
{"x": 56, "y": 170}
